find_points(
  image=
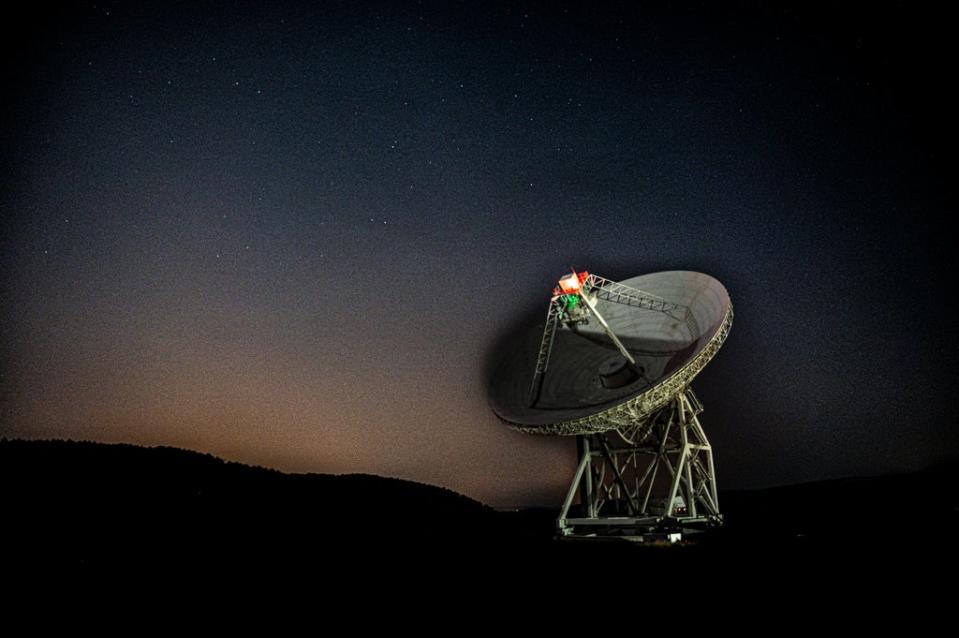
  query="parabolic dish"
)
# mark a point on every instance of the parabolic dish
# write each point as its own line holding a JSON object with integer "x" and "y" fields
{"x": 581, "y": 393}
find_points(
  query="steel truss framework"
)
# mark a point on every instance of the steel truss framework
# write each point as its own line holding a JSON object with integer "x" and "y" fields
{"x": 632, "y": 487}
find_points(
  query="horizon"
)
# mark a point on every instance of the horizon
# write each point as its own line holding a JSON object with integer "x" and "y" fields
{"x": 941, "y": 465}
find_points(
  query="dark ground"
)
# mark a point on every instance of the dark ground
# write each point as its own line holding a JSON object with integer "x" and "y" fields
{"x": 78, "y": 510}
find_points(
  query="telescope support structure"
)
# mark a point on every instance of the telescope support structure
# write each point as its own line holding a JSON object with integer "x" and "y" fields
{"x": 664, "y": 483}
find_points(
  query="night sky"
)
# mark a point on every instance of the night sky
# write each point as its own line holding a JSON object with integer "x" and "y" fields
{"x": 293, "y": 234}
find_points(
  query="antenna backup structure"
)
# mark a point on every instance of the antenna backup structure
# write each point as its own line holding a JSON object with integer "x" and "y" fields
{"x": 612, "y": 366}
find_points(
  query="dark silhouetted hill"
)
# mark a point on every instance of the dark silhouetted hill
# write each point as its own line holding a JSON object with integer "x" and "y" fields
{"x": 82, "y": 506}
{"x": 95, "y": 503}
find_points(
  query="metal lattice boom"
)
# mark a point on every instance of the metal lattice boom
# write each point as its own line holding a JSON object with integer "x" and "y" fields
{"x": 616, "y": 292}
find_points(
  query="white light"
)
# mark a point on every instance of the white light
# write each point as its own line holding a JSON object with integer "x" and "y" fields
{"x": 569, "y": 283}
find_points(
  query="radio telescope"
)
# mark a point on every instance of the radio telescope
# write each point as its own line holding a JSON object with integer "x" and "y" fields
{"x": 612, "y": 366}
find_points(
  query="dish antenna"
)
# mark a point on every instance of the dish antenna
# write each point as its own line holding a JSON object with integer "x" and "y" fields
{"x": 612, "y": 366}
